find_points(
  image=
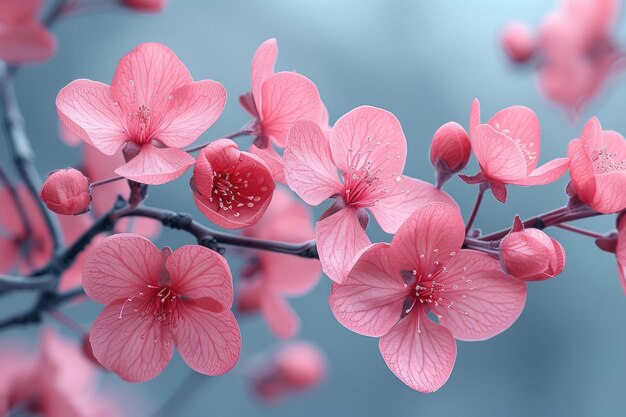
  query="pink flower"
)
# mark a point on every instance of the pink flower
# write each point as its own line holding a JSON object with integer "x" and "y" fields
{"x": 232, "y": 188}
{"x": 145, "y": 5}
{"x": 22, "y": 38}
{"x": 58, "y": 383}
{"x": 530, "y": 254}
{"x": 66, "y": 192}
{"x": 369, "y": 148}
{"x": 278, "y": 99}
{"x": 598, "y": 167}
{"x": 450, "y": 150}
{"x": 25, "y": 242}
{"x": 578, "y": 52}
{"x": 293, "y": 367}
{"x": 151, "y": 111}
{"x": 268, "y": 277}
{"x": 620, "y": 251}
{"x": 507, "y": 149}
{"x": 393, "y": 287}
{"x": 155, "y": 299}
{"x": 518, "y": 42}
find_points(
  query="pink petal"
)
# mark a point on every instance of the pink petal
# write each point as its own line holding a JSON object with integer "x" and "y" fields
{"x": 280, "y": 272}
{"x": 209, "y": 343}
{"x": 432, "y": 231}
{"x": 197, "y": 272}
{"x": 88, "y": 110}
{"x": 262, "y": 68}
{"x": 610, "y": 196}
{"x": 120, "y": 267}
{"x": 592, "y": 135}
{"x": 370, "y": 300}
{"x": 147, "y": 76}
{"x": 522, "y": 125}
{"x": 419, "y": 352}
{"x": 17, "y": 12}
{"x": 135, "y": 348}
{"x": 486, "y": 305}
{"x": 499, "y": 191}
{"x": 369, "y": 134}
{"x": 620, "y": 252}
{"x": 545, "y": 174}
{"x": 287, "y": 97}
{"x": 402, "y": 199}
{"x": 156, "y": 166}
{"x": 27, "y": 43}
{"x": 273, "y": 161}
{"x": 582, "y": 171}
{"x": 340, "y": 237}
{"x": 474, "y": 119}
{"x": 498, "y": 155}
{"x": 309, "y": 168}
{"x": 615, "y": 144}
{"x": 193, "y": 109}
{"x": 280, "y": 317}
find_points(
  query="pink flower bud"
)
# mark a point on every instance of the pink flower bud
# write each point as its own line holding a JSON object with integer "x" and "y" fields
{"x": 450, "y": 149}
{"x": 66, "y": 191}
{"x": 530, "y": 254}
{"x": 518, "y": 42}
{"x": 145, "y": 5}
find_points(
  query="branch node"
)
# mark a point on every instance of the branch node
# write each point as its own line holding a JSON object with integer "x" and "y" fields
{"x": 212, "y": 243}
{"x": 177, "y": 220}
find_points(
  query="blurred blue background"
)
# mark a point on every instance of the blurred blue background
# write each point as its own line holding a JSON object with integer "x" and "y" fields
{"x": 425, "y": 62}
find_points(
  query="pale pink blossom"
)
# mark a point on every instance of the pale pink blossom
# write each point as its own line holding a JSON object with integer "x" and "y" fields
{"x": 392, "y": 288}
{"x": 518, "y": 41}
{"x": 368, "y": 147}
{"x": 598, "y": 167}
{"x": 157, "y": 299}
{"x": 23, "y": 38}
{"x": 145, "y": 5}
{"x": 67, "y": 192}
{"x": 152, "y": 109}
{"x": 232, "y": 188}
{"x": 507, "y": 149}
{"x": 291, "y": 368}
{"x": 268, "y": 277}
{"x": 620, "y": 251}
{"x": 530, "y": 254}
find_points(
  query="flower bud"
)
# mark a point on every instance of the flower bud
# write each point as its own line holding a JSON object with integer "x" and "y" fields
{"x": 145, "y": 5}
{"x": 518, "y": 42}
{"x": 530, "y": 254}
{"x": 450, "y": 150}
{"x": 66, "y": 191}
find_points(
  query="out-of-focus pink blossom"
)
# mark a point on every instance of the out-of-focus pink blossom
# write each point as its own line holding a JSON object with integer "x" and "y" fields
{"x": 22, "y": 38}
{"x": 66, "y": 192}
{"x": 598, "y": 167}
{"x": 293, "y": 367}
{"x": 152, "y": 109}
{"x": 368, "y": 147}
{"x": 57, "y": 383}
{"x": 145, "y": 5}
{"x": 25, "y": 243}
{"x": 620, "y": 250}
{"x": 530, "y": 254}
{"x": 268, "y": 277}
{"x": 507, "y": 149}
{"x": 518, "y": 41}
{"x": 232, "y": 188}
{"x": 392, "y": 288}
{"x": 155, "y": 299}
{"x": 450, "y": 150}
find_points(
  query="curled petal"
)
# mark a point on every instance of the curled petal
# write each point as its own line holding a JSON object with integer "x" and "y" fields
{"x": 156, "y": 166}
{"x": 546, "y": 173}
{"x": 273, "y": 161}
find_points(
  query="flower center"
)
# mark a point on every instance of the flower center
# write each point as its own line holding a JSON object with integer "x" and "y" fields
{"x": 158, "y": 303}
{"x": 230, "y": 190}
{"x": 604, "y": 161}
{"x": 526, "y": 149}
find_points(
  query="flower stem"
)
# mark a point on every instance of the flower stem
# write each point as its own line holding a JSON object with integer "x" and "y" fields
{"x": 579, "y": 230}
{"x": 479, "y": 199}
{"x": 242, "y": 132}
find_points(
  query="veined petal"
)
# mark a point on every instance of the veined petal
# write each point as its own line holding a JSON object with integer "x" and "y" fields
{"x": 370, "y": 300}
{"x": 546, "y": 173}
{"x": 419, "y": 352}
{"x": 522, "y": 125}
{"x": 287, "y": 97}
{"x": 485, "y": 304}
{"x": 124, "y": 342}
{"x": 340, "y": 237}
{"x": 192, "y": 110}
{"x": 582, "y": 171}
{"x": 120, "y": 267}
{"x": 210, "y": 343}
{"x": 610, "y": 196}
{"x": 262, "y": 68}
{"x": 197, "y": 272}
{"x": 156, "y": 166}
{"x": 498, "y": 155}
{"x": 309, "y": 168}
{"x": 273, "y": 161}
{"x": 88, "y": 110}
{"x": 369, "y": 137}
